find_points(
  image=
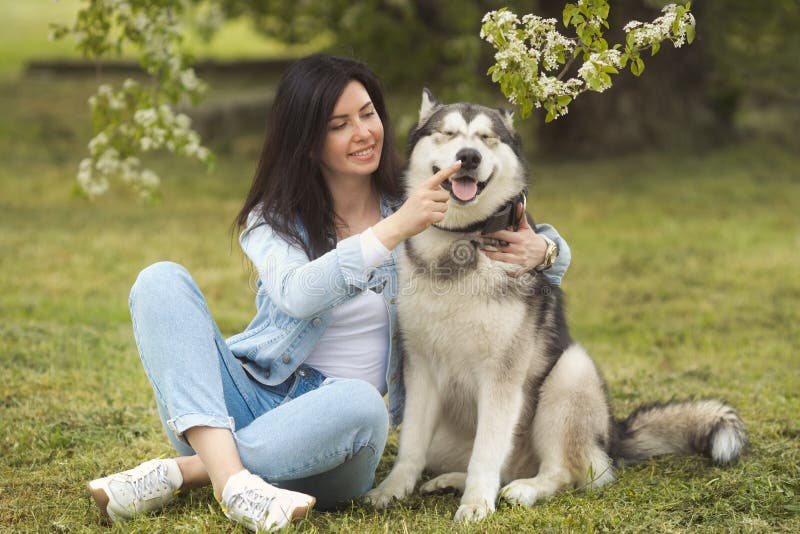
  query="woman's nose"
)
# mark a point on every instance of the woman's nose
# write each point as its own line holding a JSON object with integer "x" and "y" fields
{"x": 360, "y": 129}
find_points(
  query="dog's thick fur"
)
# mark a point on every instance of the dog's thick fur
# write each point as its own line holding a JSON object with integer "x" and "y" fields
{"x": 497, "y": 392}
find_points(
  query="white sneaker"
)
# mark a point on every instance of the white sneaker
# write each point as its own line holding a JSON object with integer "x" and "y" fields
{"x": 147, "y": 487}
{"x": 260, "y": 507}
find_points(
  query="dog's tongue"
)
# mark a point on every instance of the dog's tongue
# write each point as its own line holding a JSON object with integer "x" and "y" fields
{"x": 465, "y": 189}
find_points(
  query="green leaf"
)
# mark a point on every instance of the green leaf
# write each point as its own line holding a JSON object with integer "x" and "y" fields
{"x": 637, "y": 67}
{"x": 525, "y": 109}
{"x": 655, "y": 48}
{"x": 690, "y": 33}
{"x": 569, "y": 10}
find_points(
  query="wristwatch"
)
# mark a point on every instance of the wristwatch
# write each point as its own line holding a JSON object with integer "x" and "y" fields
{"x": 550, "y": 254}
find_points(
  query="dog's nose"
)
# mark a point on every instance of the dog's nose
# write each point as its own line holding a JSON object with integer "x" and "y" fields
{"x": 469, "y": 157}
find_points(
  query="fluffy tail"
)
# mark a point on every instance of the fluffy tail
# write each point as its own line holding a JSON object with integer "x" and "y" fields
{"x": 705, "y": 427}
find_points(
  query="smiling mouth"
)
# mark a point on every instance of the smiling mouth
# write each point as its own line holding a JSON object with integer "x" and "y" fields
{"x": 364, "y": 153}
{"x": 464, "y": 187}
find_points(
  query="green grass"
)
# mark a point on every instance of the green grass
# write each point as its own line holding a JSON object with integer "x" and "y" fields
{"x": 685, "y": 282}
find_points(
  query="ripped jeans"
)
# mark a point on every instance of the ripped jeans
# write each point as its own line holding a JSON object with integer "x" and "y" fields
{"x": 321, "y": 436}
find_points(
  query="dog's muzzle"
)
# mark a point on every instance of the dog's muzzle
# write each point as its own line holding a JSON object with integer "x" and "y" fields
{"x": 462, "y": 187}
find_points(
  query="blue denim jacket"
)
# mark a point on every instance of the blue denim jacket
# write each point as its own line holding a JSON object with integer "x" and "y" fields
{"x": 295, "y": 297}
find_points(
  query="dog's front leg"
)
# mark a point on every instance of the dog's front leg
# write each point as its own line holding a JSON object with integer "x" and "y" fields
{"x": 499, "y": 405}
{"x": 420, "y": 416}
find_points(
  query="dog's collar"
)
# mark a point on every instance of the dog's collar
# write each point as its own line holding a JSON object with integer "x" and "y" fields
{"x": 501, "y": 219}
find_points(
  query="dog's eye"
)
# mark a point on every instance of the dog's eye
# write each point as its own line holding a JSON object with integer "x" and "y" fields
{"x": 448, "y": 133}
{"x": 486, "y": 137}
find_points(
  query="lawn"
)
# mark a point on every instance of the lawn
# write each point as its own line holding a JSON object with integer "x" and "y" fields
{"x": 685, "y": 282}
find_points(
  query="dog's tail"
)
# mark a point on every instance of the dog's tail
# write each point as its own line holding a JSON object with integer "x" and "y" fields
{"x": 707, "y": 427}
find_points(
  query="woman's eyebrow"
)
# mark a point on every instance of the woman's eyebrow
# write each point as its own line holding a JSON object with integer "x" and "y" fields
{"x": 365, "y": 106}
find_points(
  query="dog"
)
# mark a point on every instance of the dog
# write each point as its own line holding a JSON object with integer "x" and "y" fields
{"x": 497, "y": 392}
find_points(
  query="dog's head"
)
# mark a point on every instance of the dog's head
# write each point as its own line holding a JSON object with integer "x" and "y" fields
{"x": 492, "y": 170}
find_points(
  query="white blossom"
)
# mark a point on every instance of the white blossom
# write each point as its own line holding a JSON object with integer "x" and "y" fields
{"x": 189, "y": 80}
{"x": 98, "y": 143}
{"x": 116, "y": 102}
{"x": 183, "y": 121}
{"x": 149, "y": 179}
{"x": 145, "y": 117}
{"x": 203, "y": 154}
{"x": 649, "y": 33}
{"x": 105, "y": 91}
{"x": 108, "y": 163}
{"x": 91, "y": 185}
{"x": 592, "y": 69}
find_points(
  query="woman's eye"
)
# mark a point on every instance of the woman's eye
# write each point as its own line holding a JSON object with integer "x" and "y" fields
{"x": 338, "y": 126}
{"x": 368, "y": 114}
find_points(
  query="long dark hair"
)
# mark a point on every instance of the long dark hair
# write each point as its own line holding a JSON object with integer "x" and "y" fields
{"x": 288, "y": 190}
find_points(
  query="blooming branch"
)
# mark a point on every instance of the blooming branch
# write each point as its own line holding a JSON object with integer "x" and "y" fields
{"x": 531, "y": 50}
{"x": 136, "y": 118}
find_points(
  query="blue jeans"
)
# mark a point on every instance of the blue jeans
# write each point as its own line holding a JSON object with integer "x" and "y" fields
{"x": 318, "y": 435}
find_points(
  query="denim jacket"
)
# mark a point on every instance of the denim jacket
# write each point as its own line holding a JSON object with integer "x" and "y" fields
{"x": 295, "y": 297}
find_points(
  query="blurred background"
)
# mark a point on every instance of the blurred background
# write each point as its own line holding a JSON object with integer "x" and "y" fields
{"x": 740, "y": 77}
{"x": 679, "y": 193}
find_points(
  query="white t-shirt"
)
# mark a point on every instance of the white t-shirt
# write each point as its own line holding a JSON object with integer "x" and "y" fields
{"x": 356, "y": 342}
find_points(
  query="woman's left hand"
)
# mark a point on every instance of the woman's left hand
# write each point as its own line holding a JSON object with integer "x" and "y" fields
{"x": 525, "y": 247}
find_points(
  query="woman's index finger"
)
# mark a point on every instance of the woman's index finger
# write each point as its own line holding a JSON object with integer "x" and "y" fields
{"x": 434, "y": 181}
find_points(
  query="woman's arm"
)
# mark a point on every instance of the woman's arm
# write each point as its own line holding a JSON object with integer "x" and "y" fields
{"x": 303, "y": 288}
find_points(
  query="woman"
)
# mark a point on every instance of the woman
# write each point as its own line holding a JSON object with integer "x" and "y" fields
{"x": 290, "y": 411}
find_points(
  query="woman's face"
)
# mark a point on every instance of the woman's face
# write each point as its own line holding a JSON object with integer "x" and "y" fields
{"x": 354, "y": 137}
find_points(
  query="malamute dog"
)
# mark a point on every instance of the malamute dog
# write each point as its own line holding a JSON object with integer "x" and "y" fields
{"x": 498, "y": 394}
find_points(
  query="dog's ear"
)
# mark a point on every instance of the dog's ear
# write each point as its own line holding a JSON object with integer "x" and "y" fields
{"x": 429, "y": 104}
{"x": 508, "y": 118}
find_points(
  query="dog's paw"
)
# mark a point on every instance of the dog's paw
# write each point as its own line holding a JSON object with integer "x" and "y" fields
{"x": 453, "y": 481}
{"x": 467, "y": 513}
{"x": 519, "y": 492}
{"x": 380, "y": 499}
{"x": 382, "y": 496}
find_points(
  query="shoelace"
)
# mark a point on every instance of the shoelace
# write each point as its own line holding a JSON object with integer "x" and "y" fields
{"x": 254, "y": 503}
{"x": 144, "y": 484}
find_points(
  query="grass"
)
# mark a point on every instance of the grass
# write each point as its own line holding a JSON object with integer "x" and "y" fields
{"x": 685, "y": 282}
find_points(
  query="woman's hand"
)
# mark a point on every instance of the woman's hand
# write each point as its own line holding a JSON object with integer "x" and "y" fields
{"x": 525, "y": 247}
{"x": 425, "y": 205}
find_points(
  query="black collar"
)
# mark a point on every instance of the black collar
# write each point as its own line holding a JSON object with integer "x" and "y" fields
{"x": 504, "y": 217}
